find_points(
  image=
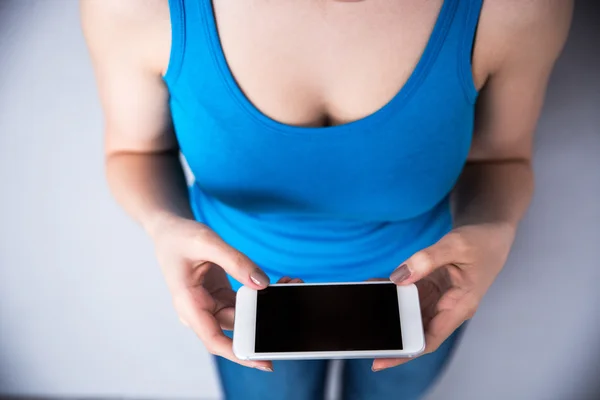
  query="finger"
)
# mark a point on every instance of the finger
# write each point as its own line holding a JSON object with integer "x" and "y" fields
{"x": 446, "y": 251}
{"x": 236, "y": 264}
{"x": 443, "y": 324}
{"x": 208, "y": 329}
{"x": 224, "y": 307}
{"x": 222, "y": 346}
{"x": 439, "y": 328}
{"x": 225, "y": 318}
{"x": 384, "y": 363}
{"x": 287, "y": 279}
{"x": 196, "y": 308}
{"x": 377, "y": 280}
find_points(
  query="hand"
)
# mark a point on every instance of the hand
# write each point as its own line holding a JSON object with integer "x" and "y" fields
{"x": 194, "y": 260}
{"x": 287, "y": 279}
{"x": 452, "y": 277}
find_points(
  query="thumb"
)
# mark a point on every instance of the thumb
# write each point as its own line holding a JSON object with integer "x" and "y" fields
{"x": 424, "y": 262}
{"x": 233, "y": 262}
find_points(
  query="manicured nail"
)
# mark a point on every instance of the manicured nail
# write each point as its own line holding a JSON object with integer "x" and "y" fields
{"x": 259, "y": 278}
{"x": 263, "y": 368}
{"x": 401, "y": 274}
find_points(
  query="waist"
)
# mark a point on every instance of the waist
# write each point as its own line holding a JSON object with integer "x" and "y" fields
{"x": 321, "y": 248}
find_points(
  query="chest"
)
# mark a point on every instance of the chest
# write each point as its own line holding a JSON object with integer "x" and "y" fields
{"x": 320, "y": 63}
{"x": 258, "y": 84}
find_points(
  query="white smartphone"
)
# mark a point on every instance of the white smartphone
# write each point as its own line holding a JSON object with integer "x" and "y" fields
{"x": 328, "y": 320}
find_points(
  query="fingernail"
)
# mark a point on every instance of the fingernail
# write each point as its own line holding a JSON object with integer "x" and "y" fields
{"x": 401, "y": 274}
{"x": 259, "y": 278}
{"x": 265, "y": 369}
{"x": 376, "y": 369}
{"x": 184, "y": 322}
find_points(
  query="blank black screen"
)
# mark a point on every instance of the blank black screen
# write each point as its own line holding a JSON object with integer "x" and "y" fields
{"x": 327, "y": 318}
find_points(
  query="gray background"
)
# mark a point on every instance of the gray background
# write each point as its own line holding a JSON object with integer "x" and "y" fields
{"x": 84, "y": 311}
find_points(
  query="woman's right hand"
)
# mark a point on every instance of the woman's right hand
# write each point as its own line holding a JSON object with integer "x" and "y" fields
{"x": 194, "y": 260}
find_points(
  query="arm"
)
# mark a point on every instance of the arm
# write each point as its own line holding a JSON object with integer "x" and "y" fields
{"x": 497, "y": 182}
{"x": 127, "y": 43}
{"x": 141, "y": 153}
{"x": 495, "y": 187}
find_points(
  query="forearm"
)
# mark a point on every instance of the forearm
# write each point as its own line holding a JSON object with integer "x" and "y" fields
{"x": 493, "y": 192}
{"x": 149, "y": 186}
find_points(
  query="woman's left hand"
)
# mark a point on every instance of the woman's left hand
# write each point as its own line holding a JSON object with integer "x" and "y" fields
{"x": 452, "y": 276}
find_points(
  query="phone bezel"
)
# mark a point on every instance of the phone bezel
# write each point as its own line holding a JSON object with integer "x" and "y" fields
{"x": 411, "y": 327}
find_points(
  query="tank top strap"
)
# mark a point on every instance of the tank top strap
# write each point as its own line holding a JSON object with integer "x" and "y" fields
{"x": 468, "y": 14}
{"x": 189, "y": 36}
{"x": 456, "y": 53}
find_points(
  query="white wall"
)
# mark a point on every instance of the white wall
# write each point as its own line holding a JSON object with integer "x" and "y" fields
{"x": 84, "y": 311}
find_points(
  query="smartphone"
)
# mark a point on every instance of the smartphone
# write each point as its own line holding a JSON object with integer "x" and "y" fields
{"x": 328, "y": 320}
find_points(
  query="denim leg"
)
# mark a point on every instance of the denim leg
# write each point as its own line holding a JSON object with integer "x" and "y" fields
{"x": 409, "y": 381}
{"x": 291, "y": 380}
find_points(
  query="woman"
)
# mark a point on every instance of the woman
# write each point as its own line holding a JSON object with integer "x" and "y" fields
{"x": 328, "y": 140}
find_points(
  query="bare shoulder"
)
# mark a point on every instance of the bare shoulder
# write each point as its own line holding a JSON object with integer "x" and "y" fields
{"x": 130, "y": 29}
{"x": 521, "y": 40}
{"x": 129, "y": 43}
{"x": 525, "y": 29}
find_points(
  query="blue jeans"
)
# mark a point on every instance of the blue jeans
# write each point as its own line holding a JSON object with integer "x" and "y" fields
{"x": 305, "y": 380}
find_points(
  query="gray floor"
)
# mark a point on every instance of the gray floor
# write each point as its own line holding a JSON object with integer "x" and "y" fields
{"x": 83, "y": 309}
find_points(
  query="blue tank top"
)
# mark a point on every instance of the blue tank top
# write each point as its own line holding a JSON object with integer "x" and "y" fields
{"x": 340, "y": 203}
